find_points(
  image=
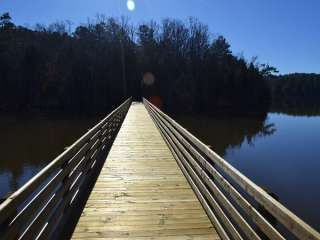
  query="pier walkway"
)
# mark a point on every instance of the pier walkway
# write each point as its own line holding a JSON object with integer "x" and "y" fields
{"x": 141, "y": 192}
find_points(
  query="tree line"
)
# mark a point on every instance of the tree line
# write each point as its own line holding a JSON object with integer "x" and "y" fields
{"x": 296, "y": 93}
{"x": 94, "y": 66}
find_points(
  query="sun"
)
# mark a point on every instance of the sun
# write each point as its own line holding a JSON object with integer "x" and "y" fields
{"x": 131, "y": 5}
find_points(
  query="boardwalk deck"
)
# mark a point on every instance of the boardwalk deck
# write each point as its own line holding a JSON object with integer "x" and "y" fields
{"x": 141, "y": 192}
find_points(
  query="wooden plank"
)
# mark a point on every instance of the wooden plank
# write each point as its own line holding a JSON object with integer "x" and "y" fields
{"x": 185, "y": 237}
{"x": 149, "y": 234}
{"x": 141, "y": 192}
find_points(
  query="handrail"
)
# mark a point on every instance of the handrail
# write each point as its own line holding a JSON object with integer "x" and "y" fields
{"x": 34, "y": 210}
{"x": 205, "y": 170}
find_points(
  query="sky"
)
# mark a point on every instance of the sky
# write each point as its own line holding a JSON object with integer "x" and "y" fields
{"x": 282, "y": 33}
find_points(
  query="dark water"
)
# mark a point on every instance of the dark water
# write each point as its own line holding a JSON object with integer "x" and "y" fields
{"x": 280, "y": 153}
{"x": 28, "y": 143}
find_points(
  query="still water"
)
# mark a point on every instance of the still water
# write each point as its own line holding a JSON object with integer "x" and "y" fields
{"x": 279, "y": 152}
{"x": 28, "y": 143}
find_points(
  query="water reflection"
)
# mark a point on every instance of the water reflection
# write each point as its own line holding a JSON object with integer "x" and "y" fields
{"x": 297, "y": 108}
{"x": 227, "y": 132}
{"x": 28, "y": 143}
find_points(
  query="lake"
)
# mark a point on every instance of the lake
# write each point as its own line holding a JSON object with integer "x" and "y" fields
{"x": 278, "y": 152}
{"x": 29, "y": 142}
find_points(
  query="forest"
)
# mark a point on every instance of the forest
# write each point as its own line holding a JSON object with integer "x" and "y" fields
{"x": 296, "y": 93}
{"x": 94, "y": 66}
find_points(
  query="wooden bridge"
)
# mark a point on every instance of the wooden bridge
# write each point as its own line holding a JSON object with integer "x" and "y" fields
{"x": 139, "y": 175}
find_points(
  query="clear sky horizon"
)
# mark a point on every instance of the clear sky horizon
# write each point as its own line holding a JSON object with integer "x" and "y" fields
{"x": 282, "y": 33}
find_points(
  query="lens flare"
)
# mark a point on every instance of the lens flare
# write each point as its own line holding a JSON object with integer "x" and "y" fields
{"x": 131, "y": 5}
{"x": 148, "y": 78}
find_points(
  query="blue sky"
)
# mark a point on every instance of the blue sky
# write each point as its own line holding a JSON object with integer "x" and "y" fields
{"x": 283, "y": 33}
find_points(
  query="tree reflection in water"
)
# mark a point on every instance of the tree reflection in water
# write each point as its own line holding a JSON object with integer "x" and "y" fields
{"x": 28, "y": 143}
{"x": 227, "y": 132}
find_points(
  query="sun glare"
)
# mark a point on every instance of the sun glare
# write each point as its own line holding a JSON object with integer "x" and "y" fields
{"x": 130, "y": 5}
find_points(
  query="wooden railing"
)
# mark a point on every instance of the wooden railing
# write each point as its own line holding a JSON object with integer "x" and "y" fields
{"x": 35, "y": 210}
{"x": 229, "y": 198}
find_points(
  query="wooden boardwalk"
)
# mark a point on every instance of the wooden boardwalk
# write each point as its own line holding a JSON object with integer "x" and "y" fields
{"x": 141, "y": 192}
